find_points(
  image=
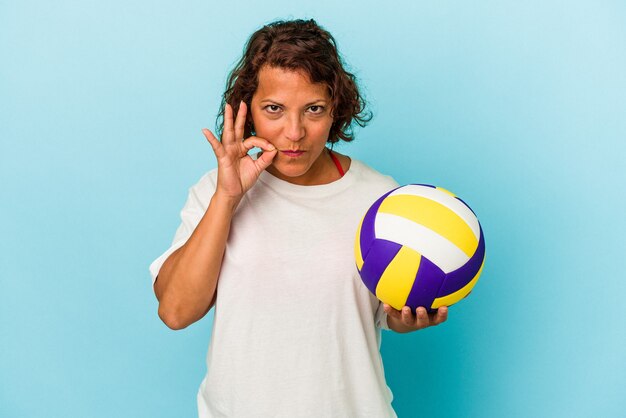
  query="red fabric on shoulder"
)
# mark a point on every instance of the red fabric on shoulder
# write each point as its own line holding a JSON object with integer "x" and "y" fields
{"x": 337, "y": 163}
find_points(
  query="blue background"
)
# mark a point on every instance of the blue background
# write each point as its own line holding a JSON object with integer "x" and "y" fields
{"x": 517, "y": 107}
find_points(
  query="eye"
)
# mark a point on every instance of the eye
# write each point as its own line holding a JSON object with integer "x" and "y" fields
{"x": 272, "y": 108}
{"x": 316, "y": 109}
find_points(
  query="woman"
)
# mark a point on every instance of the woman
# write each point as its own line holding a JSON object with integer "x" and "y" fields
{"x": 269, "y": 243}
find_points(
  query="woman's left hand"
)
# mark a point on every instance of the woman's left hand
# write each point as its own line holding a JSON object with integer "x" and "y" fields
{"x": 406, "y": 321}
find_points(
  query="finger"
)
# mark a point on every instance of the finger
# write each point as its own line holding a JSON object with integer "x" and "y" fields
{"x": 215, "y": 143}
{"x": 268, "y": 154}
{"x": 392, "y": 311}
{"x": 407, "y": 316}
{"x": 254, "y": 141}
{"x": 228, "y": 134}
{"x": 265, "y": 159}
{"x": 240, "y": 121}
{"x": 422, "y": 317}
{"x": 441, "y": 316}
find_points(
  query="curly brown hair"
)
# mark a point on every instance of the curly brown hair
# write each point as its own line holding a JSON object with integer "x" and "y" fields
{"x": 297, "y": 45}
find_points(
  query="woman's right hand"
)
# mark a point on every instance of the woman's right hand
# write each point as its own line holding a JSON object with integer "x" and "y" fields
{"x": 236, "y": 170}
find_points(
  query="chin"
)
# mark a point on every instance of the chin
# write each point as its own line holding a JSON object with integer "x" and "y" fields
{"x": 291, "y": 170}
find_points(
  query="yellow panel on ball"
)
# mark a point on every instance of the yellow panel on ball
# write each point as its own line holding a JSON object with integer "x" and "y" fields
{"x": 357, "y": 248}
{"x": 397, "y": 280}
{"x": 434, "y": 216}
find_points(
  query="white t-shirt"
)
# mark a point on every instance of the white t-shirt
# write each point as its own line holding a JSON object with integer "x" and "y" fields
{"x": 296, "y": 333}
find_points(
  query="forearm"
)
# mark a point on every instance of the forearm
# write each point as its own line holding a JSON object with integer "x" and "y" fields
{"x": 187, "y": 281}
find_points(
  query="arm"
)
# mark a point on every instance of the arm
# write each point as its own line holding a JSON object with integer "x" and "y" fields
{"x": 404, "y": 321}
{"x": 187, "y": 281}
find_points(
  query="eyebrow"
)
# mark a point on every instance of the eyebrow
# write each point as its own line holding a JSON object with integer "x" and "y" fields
{"x": 280, "y": 104}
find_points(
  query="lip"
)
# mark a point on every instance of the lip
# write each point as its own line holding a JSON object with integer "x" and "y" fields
{"x": 293, "y": 154}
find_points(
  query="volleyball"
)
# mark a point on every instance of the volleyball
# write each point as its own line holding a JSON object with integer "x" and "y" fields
{"x": 419, "y": 245}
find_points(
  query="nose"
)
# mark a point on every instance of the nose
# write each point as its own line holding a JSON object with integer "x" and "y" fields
{"x": 294, "y": 128}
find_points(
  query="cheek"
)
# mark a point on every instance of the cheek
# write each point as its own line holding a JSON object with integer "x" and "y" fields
{"x": 264, "y": 126}
{"x": 321, "y": 130}
{"x": 268, "y": 130}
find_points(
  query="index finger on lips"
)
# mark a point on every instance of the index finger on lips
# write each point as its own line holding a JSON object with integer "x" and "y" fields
{"x": 254, "y": 141}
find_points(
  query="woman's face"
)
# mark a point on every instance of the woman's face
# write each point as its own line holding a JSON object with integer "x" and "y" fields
{"x": 294, "y": 115}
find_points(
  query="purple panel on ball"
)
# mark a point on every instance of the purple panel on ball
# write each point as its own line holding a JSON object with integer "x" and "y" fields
{"x": 426, "y": 286}
{"x": 368, "y": 234}
{"x": 458, "y": 278}
{"x": 380, "y": 255}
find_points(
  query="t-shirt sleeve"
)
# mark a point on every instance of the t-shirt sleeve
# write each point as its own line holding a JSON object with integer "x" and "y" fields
{"x": 380, "y": 317}
{"x": 197, "y": 202}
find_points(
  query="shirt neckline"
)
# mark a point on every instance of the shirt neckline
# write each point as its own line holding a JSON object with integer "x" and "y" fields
{"x": 315, "y": 191}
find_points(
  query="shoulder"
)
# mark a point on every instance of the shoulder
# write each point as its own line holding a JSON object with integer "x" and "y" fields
{"x": 364, "y": 172}
{"x": 372, "y": 177}
{"x": 207, "y": 180}
{"x": 202, "y": 191}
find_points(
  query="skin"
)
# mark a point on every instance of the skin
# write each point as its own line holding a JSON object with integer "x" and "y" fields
{"x": 289, "y": 113}
{"x": 294, "y": 114}
{"x": 405, "y": 321}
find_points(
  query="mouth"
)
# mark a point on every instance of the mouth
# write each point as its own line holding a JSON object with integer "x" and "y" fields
{"x": 292, "y": 154}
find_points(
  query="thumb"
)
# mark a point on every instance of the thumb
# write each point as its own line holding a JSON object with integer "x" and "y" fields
{"x": 265, "y": 159}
